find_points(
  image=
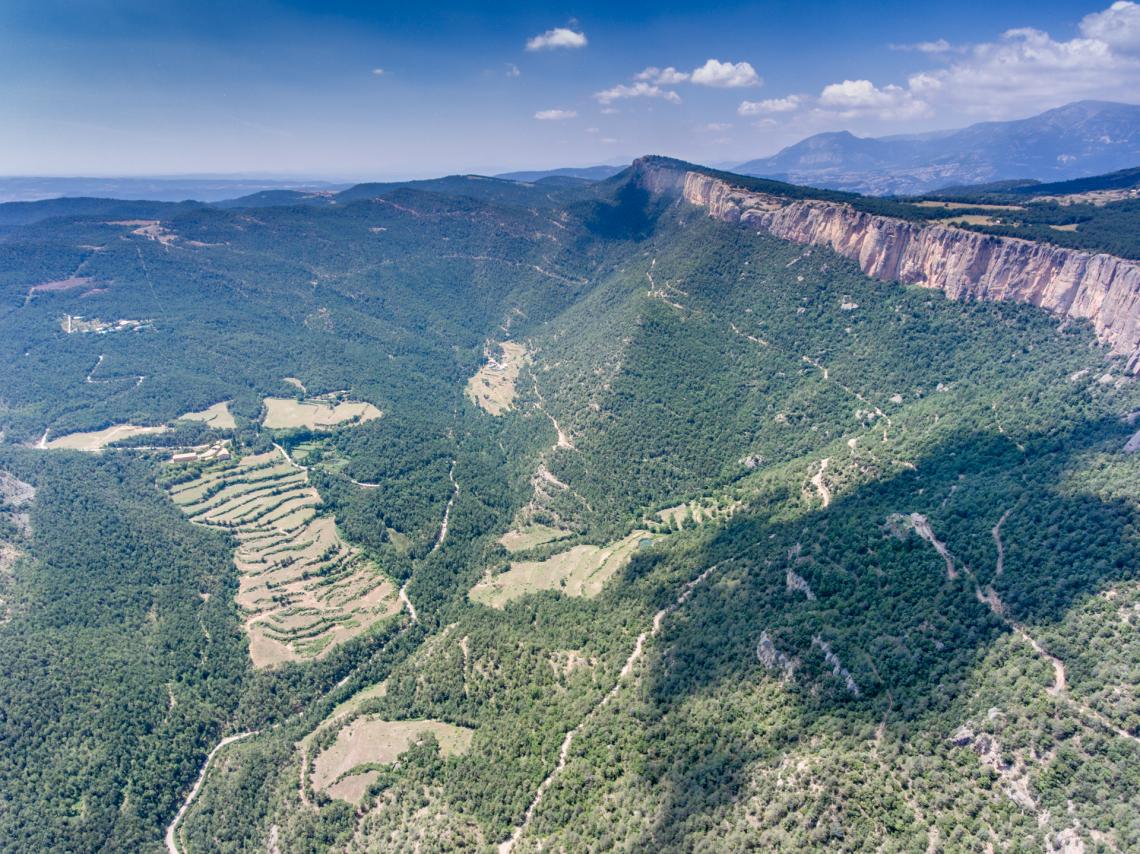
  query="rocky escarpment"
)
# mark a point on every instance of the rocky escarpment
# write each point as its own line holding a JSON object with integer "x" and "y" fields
{"x": 1103, "y": 289}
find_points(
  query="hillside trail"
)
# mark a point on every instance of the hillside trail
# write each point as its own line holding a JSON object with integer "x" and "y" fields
{"x": 820, "y": 486}
{"x": 563, "y": 438}
{"x": 289, "y": 459}
{"x": 447, "y": 511}
{"x": 402, "y": 596}
{"x": 626, "y": 671}
{"x": 989, "y": 597}
{"x": 172, "y": 828}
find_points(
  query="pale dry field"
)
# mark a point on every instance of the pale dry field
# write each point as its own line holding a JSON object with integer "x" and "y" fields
{"x": 283, "y": 413}
{"x": 530, "y": 536}
{"x": 368, "y": 741}
{"x": 96, "y": 440}
{"x": 970, "y": 219}
{"x": 957, "y": 206}
{"x": 217, "y": 416}
{"x": 493, "y": 386}
{"x": 302, "y": 589}
{"x": 579, "y": 571}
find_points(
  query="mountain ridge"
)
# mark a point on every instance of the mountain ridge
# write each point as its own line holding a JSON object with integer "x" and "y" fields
{"x": 1097, "y": 287}
{"x": 1073, "y": 141}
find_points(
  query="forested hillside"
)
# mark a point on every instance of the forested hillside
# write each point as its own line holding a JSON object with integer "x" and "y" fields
{"x": 732, "y": 547}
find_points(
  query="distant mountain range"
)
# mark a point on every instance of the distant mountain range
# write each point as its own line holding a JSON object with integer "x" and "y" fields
{"x": 1074, "y": 141}
{"x": 200, "y": 188}
{"x": 588, "y": 173}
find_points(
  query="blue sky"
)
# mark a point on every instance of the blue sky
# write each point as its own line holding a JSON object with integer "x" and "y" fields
{"x": 378, "y": 90}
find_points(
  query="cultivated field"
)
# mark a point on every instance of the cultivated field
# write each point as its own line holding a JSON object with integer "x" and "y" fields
{"x": 302, "y": 588}
{"x": 970, "y": 219}
{"x": 530, "y": 536}
{"x": 493, "y": 387}
{"x": 217, "y": 416}
{"x": 342, "y": 770}
{"x": 578, "y": 571}
{"x": 696, "y": 512}
{"x": 282, "y": 413}
{"x": 96, "y": 440}
{"x": 957, "y": 206}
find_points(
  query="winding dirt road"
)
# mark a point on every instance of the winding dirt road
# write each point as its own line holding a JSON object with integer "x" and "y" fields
{"x": 626, "y": 671}
{"x": 172, "y": 829}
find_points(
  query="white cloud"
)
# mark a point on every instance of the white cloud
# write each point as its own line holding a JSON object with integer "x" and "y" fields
{"x": 1023, "y": 71}
{"x": 1117, "y": 26}
{"x": 854, "y": 98}
{"x": 715, "y": 127}
{"x": 513, "y": 70}
{"x": 593, "y": 130}
{"x": 666, "y": 77}
{"x": 609, "y": 111}
{"x": 379, "y": 72}
{"x": 558, "y": 37}
{"x": 555, "y": 115}
{"x": 608, "y": 140}
{"x": 727, "y": 75}
{"x": 769, "y": 105}
{"x": 936, "y": 46}
{"x": 640, "y": 89}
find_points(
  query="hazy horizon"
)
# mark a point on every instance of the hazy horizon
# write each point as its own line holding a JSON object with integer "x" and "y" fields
{"x": 356, "y": 91}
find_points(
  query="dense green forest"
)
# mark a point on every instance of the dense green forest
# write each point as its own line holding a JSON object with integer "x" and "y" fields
{"x": 896, "y": 609}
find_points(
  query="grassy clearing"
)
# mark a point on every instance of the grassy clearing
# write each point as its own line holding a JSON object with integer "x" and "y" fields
{"x": 956, "y": 206}
{"x": 493, "y": 387}
{"x": 531, "y": 536}
{"x": 342, "y": 769}
{"x": 578, "y": 571}
{"x": 1070, "y": 227}
{"x": 96, "y": 440}
{"x": 283, "y": 413}
{"x": 217, "y": 416}
{"x": 970, "y": 219}
{"x": 303, "y": 590}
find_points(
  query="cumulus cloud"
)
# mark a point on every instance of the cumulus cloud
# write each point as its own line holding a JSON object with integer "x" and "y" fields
{"x": 555, "y": 115}
{"x": 1024, "y": 70}
{"x": 640, "y": 89}
{"x": 663, "y": 76}
{"x": 853, "y": 98}
{"x": 1117, "y": 26}
{"x": 769, "y": 105}
{"x": 715, "y": 127}
{"x": 558, "y": 37}
{"x": 379, "y": 72}
{"x": 513, "y": 70}
{"x": 726, "y": 75}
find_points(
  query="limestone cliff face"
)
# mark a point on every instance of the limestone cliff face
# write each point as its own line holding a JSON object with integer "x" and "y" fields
{"x": 1101, "y": 288}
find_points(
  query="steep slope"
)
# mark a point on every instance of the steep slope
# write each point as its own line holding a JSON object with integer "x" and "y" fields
{"x": 1099, "y": 288}
{"x": 1083, "y": 138}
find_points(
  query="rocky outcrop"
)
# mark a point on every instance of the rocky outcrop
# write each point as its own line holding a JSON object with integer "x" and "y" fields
{"x": 1100, "y": 288}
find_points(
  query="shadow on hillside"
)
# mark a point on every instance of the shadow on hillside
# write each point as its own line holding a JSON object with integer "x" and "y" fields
{"x": 908, "y": 635}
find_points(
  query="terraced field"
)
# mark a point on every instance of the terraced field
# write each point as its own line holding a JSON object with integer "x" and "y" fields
{"x": 217, "y": 416}
{"x": 303, "y": 589}
{"x": 346, "y": 768}
{"x": 493, "y": 387}
{"x": 318, "y": 413}
{"x": 579, "y": 571}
